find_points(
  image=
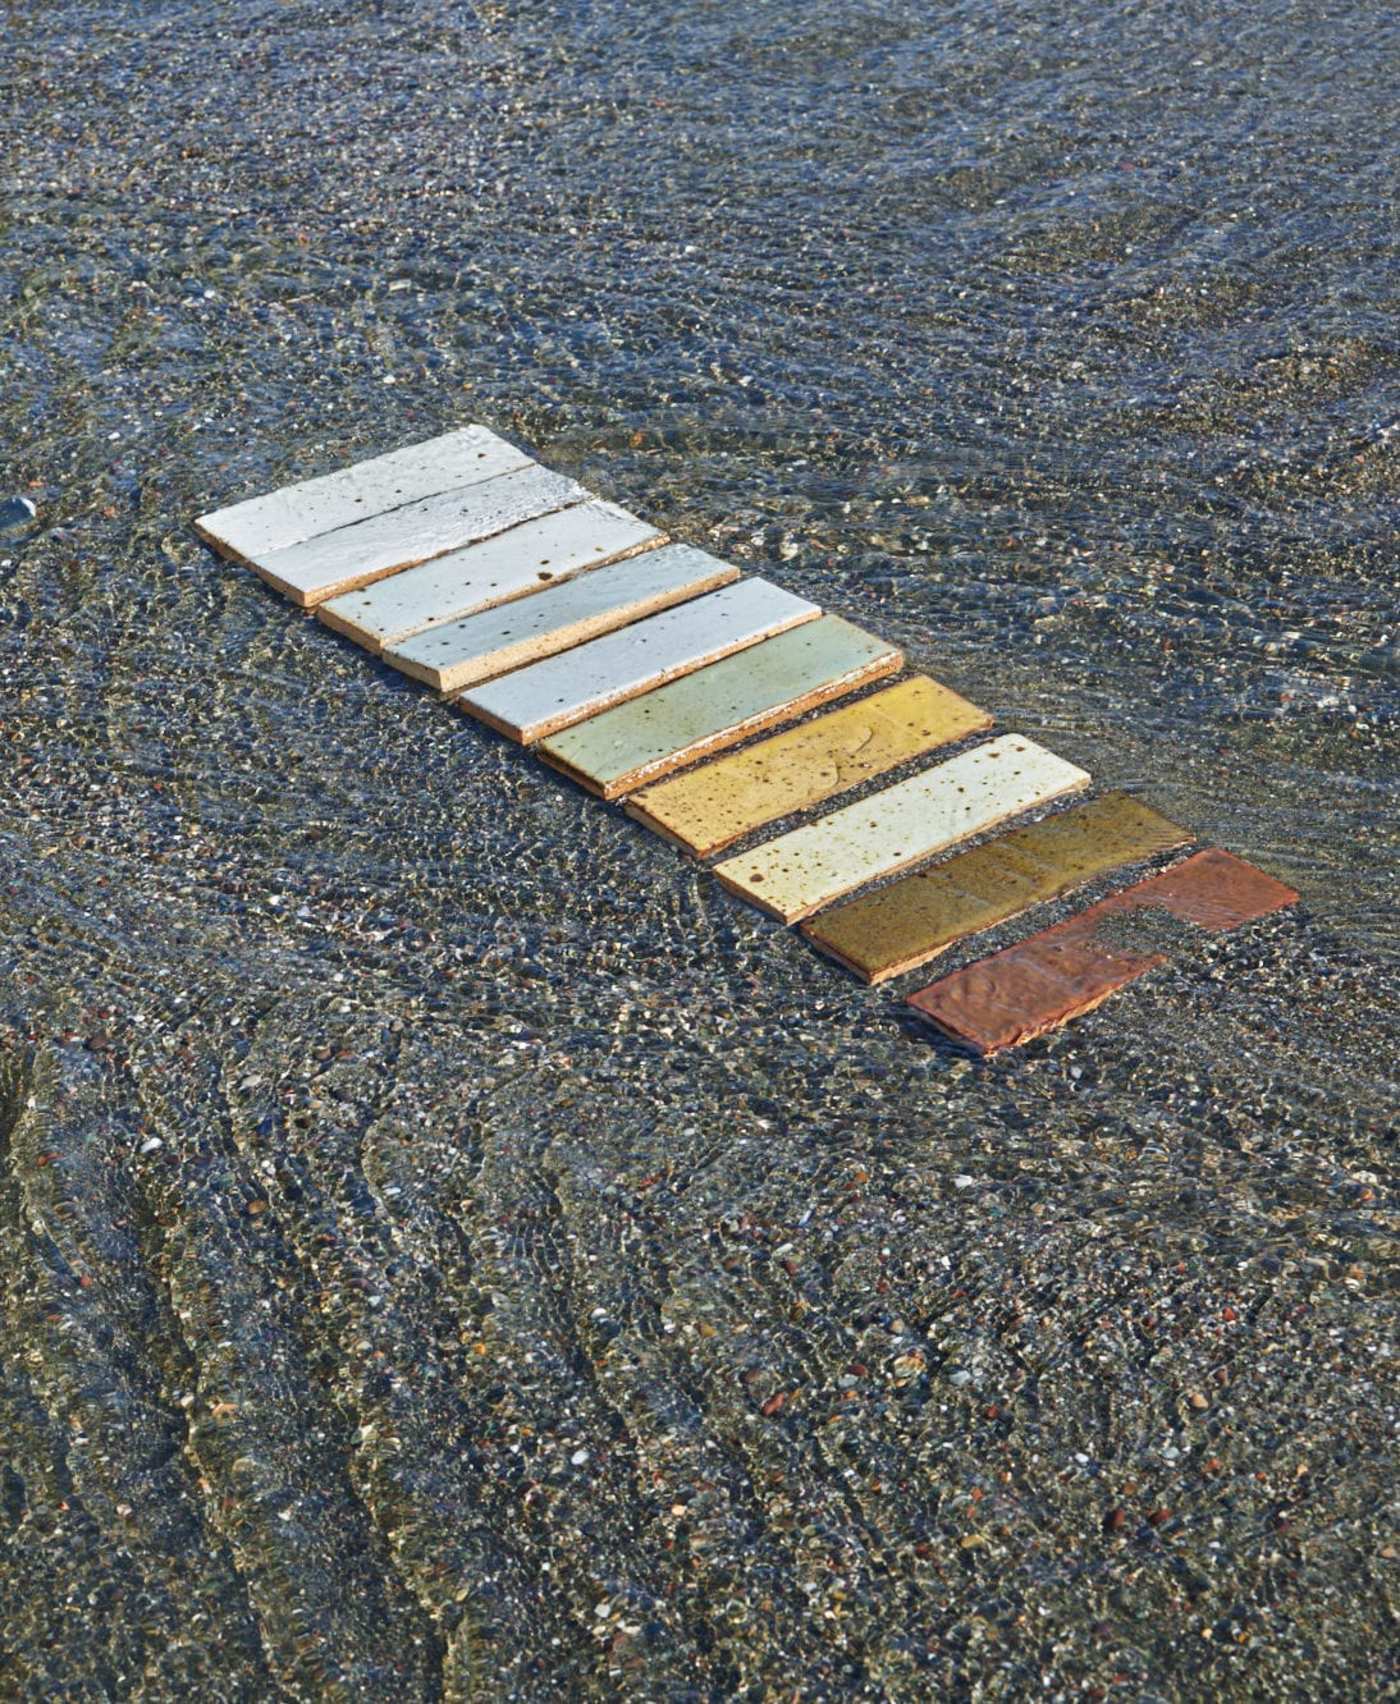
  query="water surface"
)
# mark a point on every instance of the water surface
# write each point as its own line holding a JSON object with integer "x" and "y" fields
{"x": 449, "y": 1247}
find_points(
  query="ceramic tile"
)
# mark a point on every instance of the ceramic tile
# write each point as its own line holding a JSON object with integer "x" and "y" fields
{"x": 709, "y": 808}
{"x": 261, "y": 525}
{"x": 801, "y": 871}
{"x": 537, "y": 554}
{"x": 1060, "y": 973}
{"x": 479, "y": 647}
{"x": 537, "y": 701}
{"x": 337, "y": 562}
{"x": 718, "y": 706}
{"x": 914, "y": 919}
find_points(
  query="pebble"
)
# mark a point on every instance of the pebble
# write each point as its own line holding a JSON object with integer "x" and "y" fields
{"x": 17, "y": 514}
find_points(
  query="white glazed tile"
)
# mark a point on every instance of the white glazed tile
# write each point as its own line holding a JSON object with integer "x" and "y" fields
{"x": 801, "y": 871}
{"x": 338, "y": 562}
{"x": 479, "y": 647}
{"x": 562, "y": 690}
{"x": 529, "y": 557}
{"x": 261, "y": 525}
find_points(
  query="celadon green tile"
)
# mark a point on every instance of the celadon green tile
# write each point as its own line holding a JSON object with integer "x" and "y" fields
{"x": 719, "y": 705}
{"x": 710, "y": 807}
{"x": 921, "y": 915}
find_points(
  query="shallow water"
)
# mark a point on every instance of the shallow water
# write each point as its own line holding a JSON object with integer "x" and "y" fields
{"x": 450, "y": 1245}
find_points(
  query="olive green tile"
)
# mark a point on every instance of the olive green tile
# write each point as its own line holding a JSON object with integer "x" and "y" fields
{"x": 918, "y": 917}
{"x": 710, "y": 807}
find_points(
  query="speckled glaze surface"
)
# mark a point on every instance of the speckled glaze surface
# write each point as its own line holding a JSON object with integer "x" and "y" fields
{"x": 561, "y": 691}
{"x": 718, "y": 803}
{"x": 720, "y": 705}
{"x": 515, "y": 564}
{"x": 273, "y": 521}
{"x": 451, "y": 1248}
{"x": 794, "y": 874}
{"x": 903, "y": 925}
{"x": 555, "y": 618}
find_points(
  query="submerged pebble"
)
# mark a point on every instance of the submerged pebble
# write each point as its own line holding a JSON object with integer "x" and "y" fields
{"x": 17, "y": 516}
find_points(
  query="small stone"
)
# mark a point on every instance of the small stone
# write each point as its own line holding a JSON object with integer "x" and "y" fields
{"x": 1197, "y": 1401}
{"x": 579, "y": 1457}
{"x": 17, "y": 514}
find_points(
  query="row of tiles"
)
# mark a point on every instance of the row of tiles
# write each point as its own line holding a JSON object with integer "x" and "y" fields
{"x": 573, "y": 627}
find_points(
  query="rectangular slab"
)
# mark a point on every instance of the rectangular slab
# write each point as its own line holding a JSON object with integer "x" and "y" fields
{"x": 538, "y": 701}
{"x": 460, "y": 653}
{"x": 537, "y": 553}
{"x": 711, "y": 807}
{"x": 1042, "y": 982}
{"x": 718, "y": 706}
{"x": 261, "y": 525}
{"x": 914, "y": 919}
{"x": 336, "y": 562}
{"x": 799, "y": 872}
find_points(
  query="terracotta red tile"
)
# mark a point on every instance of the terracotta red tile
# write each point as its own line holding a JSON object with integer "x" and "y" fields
{"x": 1040, "y": 983}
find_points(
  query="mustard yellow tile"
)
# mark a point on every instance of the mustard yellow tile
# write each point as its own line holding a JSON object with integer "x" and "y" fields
{"x": 711, "y": 807}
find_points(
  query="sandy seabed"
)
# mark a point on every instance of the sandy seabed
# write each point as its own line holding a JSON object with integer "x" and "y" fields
{"x": 448, "y": 1247}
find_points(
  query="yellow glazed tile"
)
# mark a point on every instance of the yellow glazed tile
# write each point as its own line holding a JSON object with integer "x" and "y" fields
{"x": 709, "y": 808}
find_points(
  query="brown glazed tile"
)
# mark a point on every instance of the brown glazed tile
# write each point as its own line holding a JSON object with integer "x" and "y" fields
{"x": 1042, "y": 982}
{"x": 910, "y": 922}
